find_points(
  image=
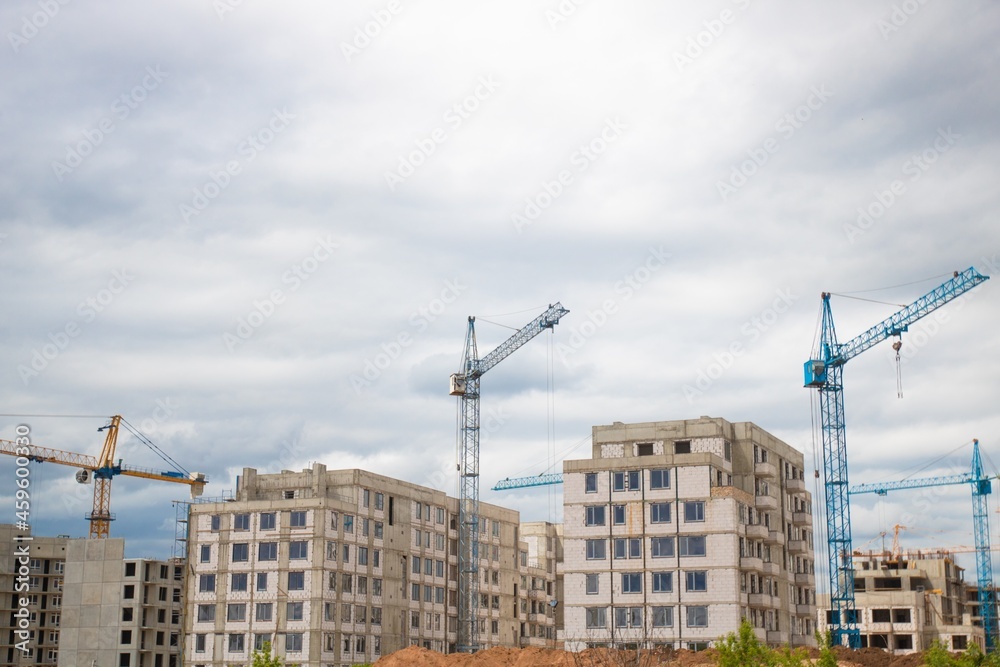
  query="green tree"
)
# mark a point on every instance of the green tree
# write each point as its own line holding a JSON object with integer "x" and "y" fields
{"x": 826, "y": 657}
{"x": 937, "y": 655}
{"x": 787, "y": 657}
{"x": 743, "y": 649}
{"x": 972, "y": 657}
{"x": 264, "y": 657}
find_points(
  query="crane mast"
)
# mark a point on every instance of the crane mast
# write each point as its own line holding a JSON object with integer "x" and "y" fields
{"x": 465, "y": 385}
{"x": 825, "y": 373}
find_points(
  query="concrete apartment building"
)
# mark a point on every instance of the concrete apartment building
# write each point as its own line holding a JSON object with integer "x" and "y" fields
{"x": 340, "y": 567}
{"x": 120, "y": 612}
{"x": 674, "y": 531}
{"x": 45, "y": 559}
{"x": 906, "y": 602}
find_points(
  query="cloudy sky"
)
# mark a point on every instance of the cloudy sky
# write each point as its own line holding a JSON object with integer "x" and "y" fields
{"x": 256, "y": 231}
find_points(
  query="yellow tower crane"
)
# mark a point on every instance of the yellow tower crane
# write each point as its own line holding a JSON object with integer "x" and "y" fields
{"x": 103, "y": 469}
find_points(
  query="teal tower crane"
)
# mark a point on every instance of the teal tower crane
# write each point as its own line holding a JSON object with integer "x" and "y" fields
{"x": 465, "y": 385}
{"x": 982, "y": 485}
{"x": 824, "y": 372}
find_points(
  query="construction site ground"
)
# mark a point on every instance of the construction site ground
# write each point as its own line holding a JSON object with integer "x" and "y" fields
{"x": 540, "y": 657}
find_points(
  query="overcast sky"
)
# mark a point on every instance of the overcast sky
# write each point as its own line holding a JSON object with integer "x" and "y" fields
{"x": 257, "y": 230}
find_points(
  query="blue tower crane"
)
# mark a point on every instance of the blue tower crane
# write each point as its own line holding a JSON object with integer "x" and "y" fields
{"x": 981, "y": 487}
{"x": 525, "y": 482}
{"x": 825, "y": 372}
{"x": 465, "y": 384}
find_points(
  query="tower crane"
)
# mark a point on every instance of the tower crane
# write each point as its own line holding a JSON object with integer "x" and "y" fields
{"x": 104, "y": 469}
{"x": 981, "y": 487}
{"x": 465, "y": 384}
{"x": 825, "y": 373}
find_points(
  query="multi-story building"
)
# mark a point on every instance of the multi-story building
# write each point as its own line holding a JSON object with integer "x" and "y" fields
{"x": 117, "y": 611}
{"x": 675, "y": 531}
{"x": 31, "y": 568}
{"x": 541, "y": 554}
{"x": 340, "y": 567}
{"x": 909, "y": 600}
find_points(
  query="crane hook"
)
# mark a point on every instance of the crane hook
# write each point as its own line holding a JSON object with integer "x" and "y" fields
{"x": 899, "y": 371}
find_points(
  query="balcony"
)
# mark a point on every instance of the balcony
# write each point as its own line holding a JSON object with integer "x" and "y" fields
{"x": 772, "y": 568}
{"x": 803, "y": 579}
{"x": 766, "y": 503}
{"x": 761, "y": 600}
{"x": 777, "y": 637}
{"x": 758, "y": 531}
{"x": 765, "y": 470}
{"x": 750, "y": 563}
{"x": 801, "y": 518}
{"x": 797, "y": 546}
{"x": 795, "y": 485}
{"x": 776, "y": 537}
{"x": 805, "y": 610}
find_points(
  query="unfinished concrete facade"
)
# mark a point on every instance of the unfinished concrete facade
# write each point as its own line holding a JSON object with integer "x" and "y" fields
{"x": 674, "y": 531}
{"x": 907, "y": 601}
{"x": 41, "y": 588}
{"x": 117, "y": 611}
{"x": 341, "y": 567}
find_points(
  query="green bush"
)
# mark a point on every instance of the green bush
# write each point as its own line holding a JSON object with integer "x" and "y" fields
{"x": 743, "y": 649}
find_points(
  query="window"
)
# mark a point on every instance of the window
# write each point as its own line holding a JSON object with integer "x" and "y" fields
{"x": 627, "y": 480}
{"x": 631, "y": 582}
{"x": 901, "y": 616}
{"x": 297, "y": 519}
{"x": 682, "y": 447}
{"x": 128, "y": 592}
{"x": 697, "y": 580}
{"x": 378, "y": 530}
{"x": 236, "y": 612}
{"x": 697, "y": 617}
{"x": 618, "y": 515}
{"x": 296, "y": 581}
{"x": 597, "y": 617}
{"x": 127, "y": 613}
{"x": 415, "y": 592}
{"x": 362, "y": 585}
{"x": 298, "y": 550}
{"x": 347, "y": 583}
{"x": 644, "y": 448}
{"x": 692, "y": 545}
{"x": 663, "y": 582}
{"x": 206, "y": 584}
{"x": 659, "y": 479}
{"x": 366, "y": 497}
{"x": 238, "y": 582}
{"x": 628, "y": 617}
{"x": 439, "y": 515}
{"x": 215, "y": 522}
{"x": 262, "y": 581}
{"x": 206, "y": 612}
{"x": 237, "y": 642}
{"x": 259, "y": 639}
{"x": 630, "y": 547}
{"x": 348, "y": 523}
{"x": 241, "y": 522}
{"x": 199, "y": 643}
{"x": 126, "y": 636}
{"x": 593, "y": 584}
{"x": 379, "y": 501}
{"x": 363, "y": 556}
{"x": 206, "y": 554}
{"x": 661, "y": 547}
{"x": 293, "y": 642}
{"x": 663, "y": 617}
{"x": 267, "y": 551}
{"x": 595, "y": 515}
{"x": 416, "y": 565}
{"x": 365, "y": 525}
{"x": 347, "y": 553}
{"x": 439, "y": 568}
{"x": 590, "y": 482}
{"x": 267, "y": 521}
{"x": 375, "y": 558}
{"x": 293, "y": 611}
{"x": 881, "y": 616}
{"x": 596, "y": 550}
{"x": 694, "y": 510}
{"x": 241, "y": 552}
{"x": 376, "y": 587}
{"x": 659, "y": 513}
